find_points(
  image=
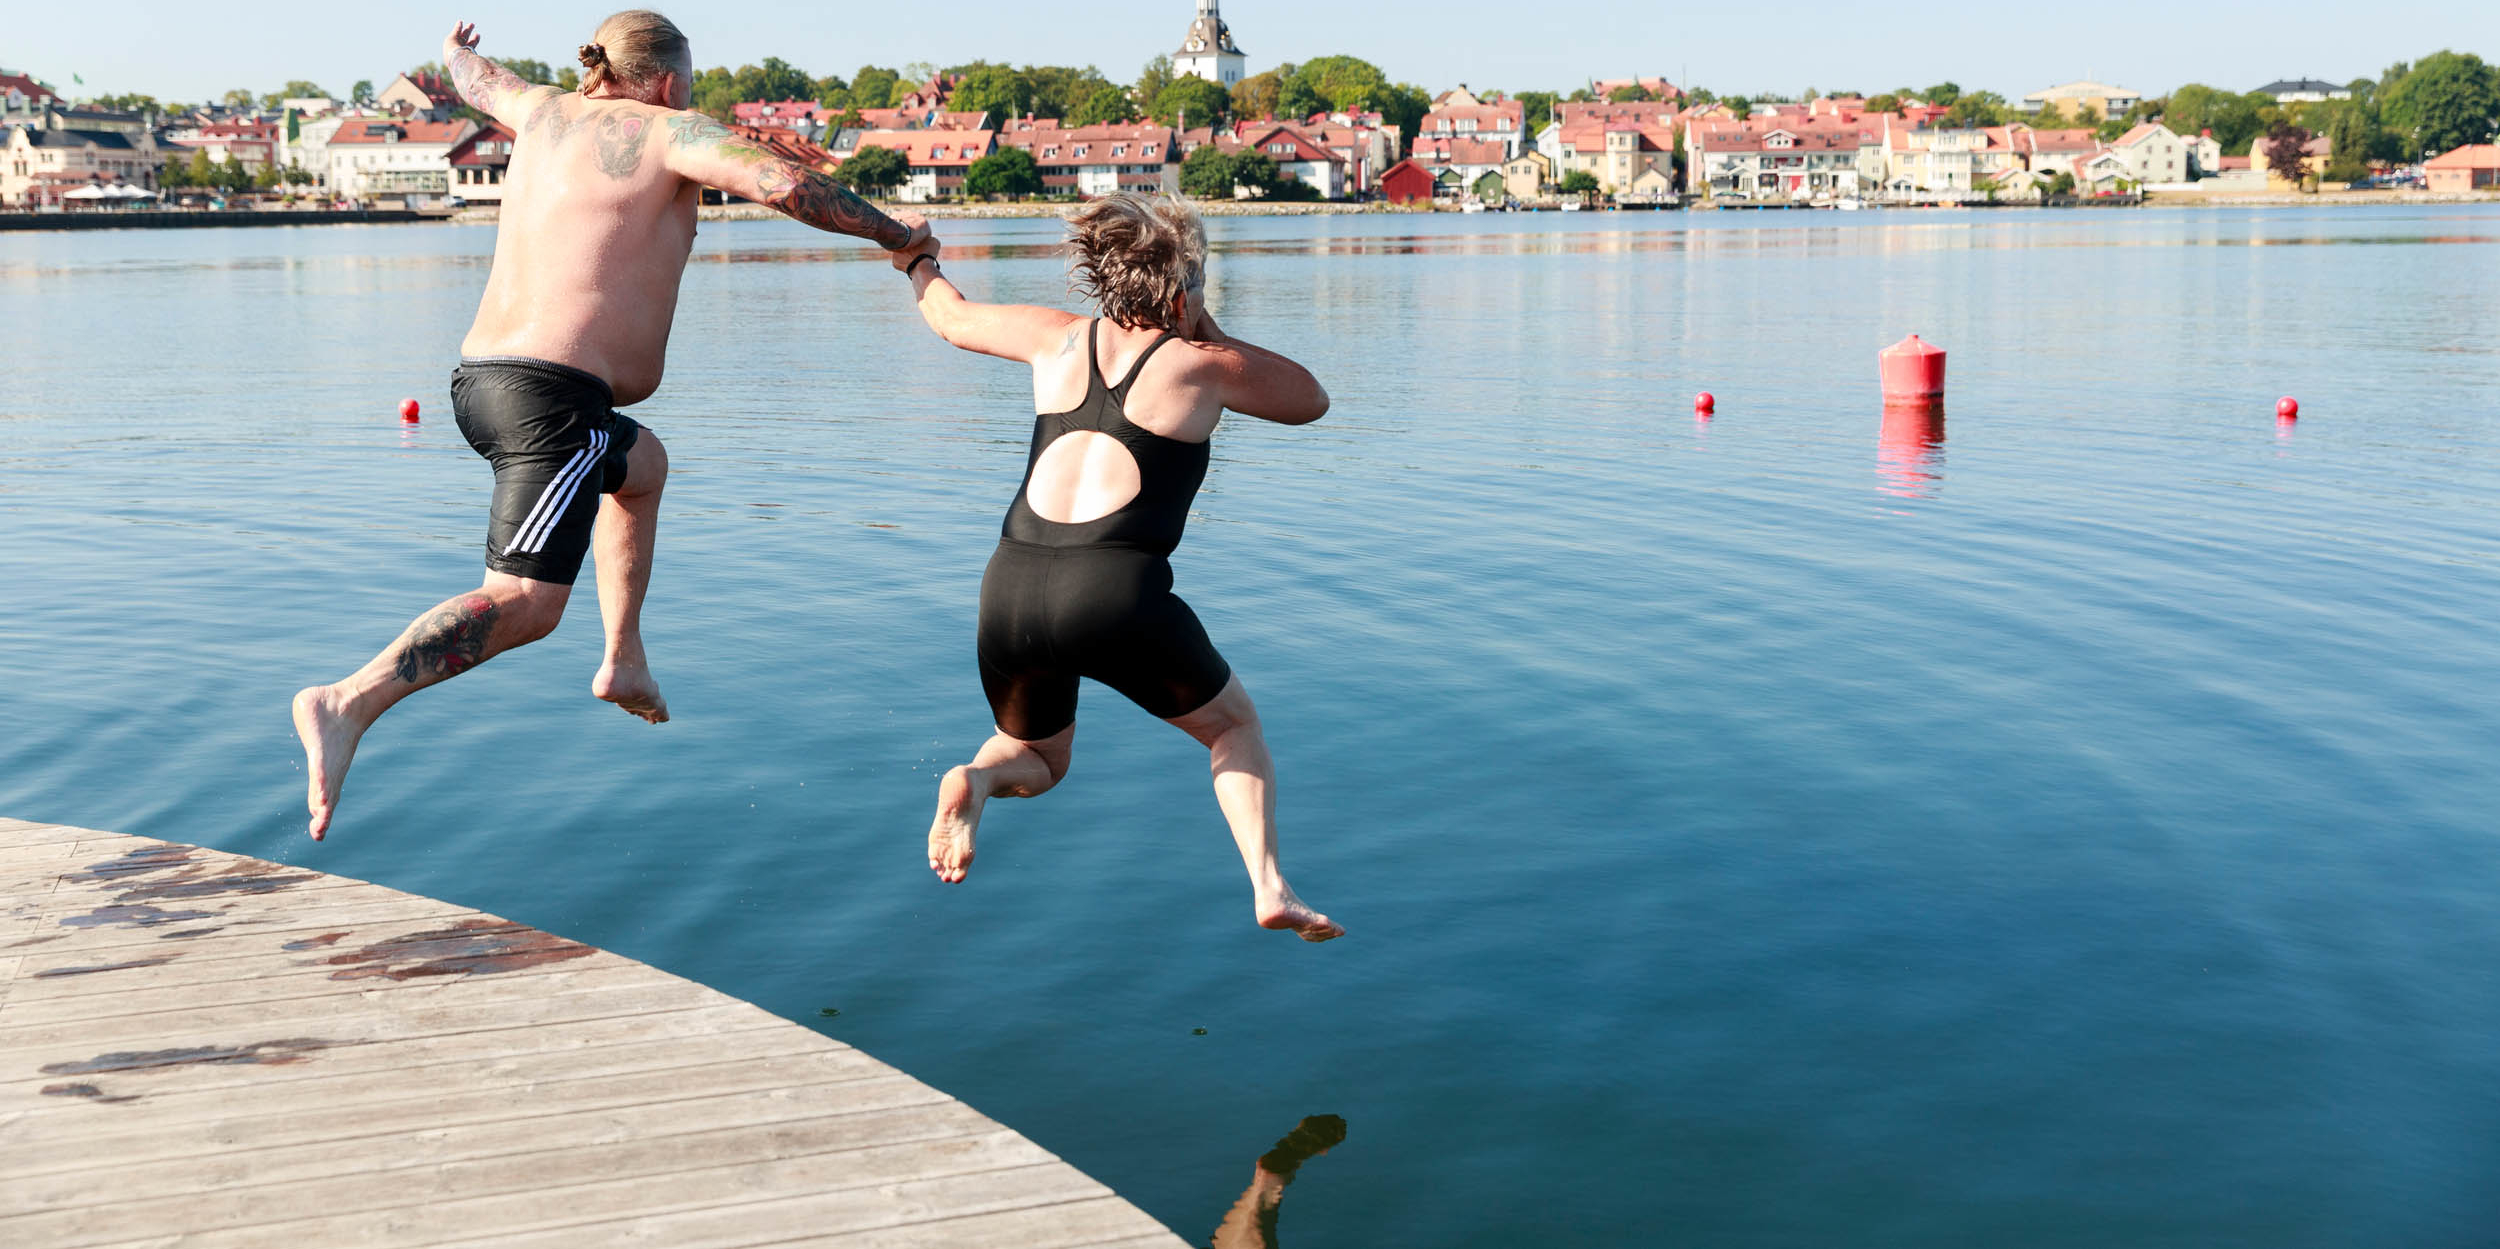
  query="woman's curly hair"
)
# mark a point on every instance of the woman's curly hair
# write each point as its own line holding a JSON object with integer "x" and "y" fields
{"x": 1134, "y": 254}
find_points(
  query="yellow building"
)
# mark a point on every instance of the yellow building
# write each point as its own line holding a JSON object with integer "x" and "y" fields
{"x": 1527, "y": 174}
{"x": 2084, "y": 98}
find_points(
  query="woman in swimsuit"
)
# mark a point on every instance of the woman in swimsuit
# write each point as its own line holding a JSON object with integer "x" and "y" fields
{"x": 1080, "y": 585}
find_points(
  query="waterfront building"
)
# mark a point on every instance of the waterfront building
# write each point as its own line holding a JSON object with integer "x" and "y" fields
{"x": 478, "y": 163}
{"x": 1367, "y": 149}
{"x": 58, "y": 150}
{"x": 937, "y": 159}
{"x": 800, "y": 115}
{"x": 2054, "y": 152}
{"x": 22, "y": 97}
{"x": 1528, "y": 174}
{"x": 1776, "y": 157}
{"x": 426, "y": 96}
{"x": 1098, "y": 160}
{"x": 1297, "y": 155}
{"x": 1406, "y": 183}
{"x": 1577, "y": 140}
{"x": 392, "y": 158}
{"x": 2154, "y": 153}
{"x": 1465, "y": 159}
{"x": 1460, "y": 115}
{"x": 252, "y": 144}
{"x": 2474, "y": 167}
{"x": 1207, "y": 49}
{"x": 1948, "y": 164}
{"x": 2083, "y": 98}
{"x": 2303, "y": 91}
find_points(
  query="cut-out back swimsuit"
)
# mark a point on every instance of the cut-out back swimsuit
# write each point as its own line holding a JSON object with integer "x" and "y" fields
{"x": 1094, "y": 598}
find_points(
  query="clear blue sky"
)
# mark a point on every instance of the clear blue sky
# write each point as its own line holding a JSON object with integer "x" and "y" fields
{"x": 182, "y": 51}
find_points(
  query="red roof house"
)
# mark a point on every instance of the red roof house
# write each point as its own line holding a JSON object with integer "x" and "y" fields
{"x": 1406, "y": 183}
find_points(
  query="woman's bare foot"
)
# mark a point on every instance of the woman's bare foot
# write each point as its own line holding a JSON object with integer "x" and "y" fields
{"x": 628, "y": 684}
{"x": 958, "y": 817}
{"x": 1283, "y": 910}
{"x": 330, "y": 735}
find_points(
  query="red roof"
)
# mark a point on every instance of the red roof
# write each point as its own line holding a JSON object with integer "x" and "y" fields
{"x": 379, "y": 130}
{"x": 436, "y": 87}
{"x": 1110, "y": 143}
{"x": 2078, "y": 140}
{"x": 465, "y": 151}
{"x": 2471, "y": 156}
{"x": 950, "y": 149}
{"x": 1301, "y": 147}
{"x": 1446, "y": 150}
{"x": 921, "y": 119}
{"x": 26, "y": 86}
{"x": 1507, "y": 115}
{"x": 777, "y": 112}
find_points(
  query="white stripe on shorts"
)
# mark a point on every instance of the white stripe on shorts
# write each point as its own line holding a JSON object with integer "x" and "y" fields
{"x": 558, "y": 496}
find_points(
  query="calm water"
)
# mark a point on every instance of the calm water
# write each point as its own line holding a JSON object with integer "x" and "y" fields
{"x": 2073, "y": 827}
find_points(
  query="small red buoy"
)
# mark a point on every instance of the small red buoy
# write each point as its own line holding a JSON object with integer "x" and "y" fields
{"x": 1705, "y": 402}
{"x": 1912, "y": 371}
{"x": 408, "y": 410}
{"x": 2287, "y": 407}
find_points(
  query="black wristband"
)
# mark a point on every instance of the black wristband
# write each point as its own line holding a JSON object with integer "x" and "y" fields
{"x": 916, "y": 262}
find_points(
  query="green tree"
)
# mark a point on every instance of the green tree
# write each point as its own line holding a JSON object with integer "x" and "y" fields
{"x": 994, "y": 89}
{"x": 1629, "y": 93}
{"x": 1207, "y": 173}
{"x": 1256, "y": 95}
{"x": 128, "y": 102}
{"x": 1978, "y": 108}
{"x": 1885, "y": 103}
{"x": 872, "y": 170}
{"x": 361, "y": 94}
{"x": 1403, "y": 105}
{"x": 529, "y": 70}
{"x": 239, "y": 98}
{"x": 1152, "y": 80}
{"x": 2446, "y": 100}
{"x": 1193, "y": 100}
{"x": 2060, "y": 183}
{"x": 1009, "y": 171}
{"x": 2054, "y": 117}
{"x": 715, "y": 93}
{"x": 1107, "y": 104}
{"x": 1943, "y": 94}
{"x": 1061, "y": 90}
{"x": 833, "y": 93}
{"x": 568, "y": 79}
{"x": 774, "y": 80}
{"x": 1578, "y": 182}
{"x": 268, "y": 178}
{"x": 1256, "y": 172}
{"x": 296, "y": 89}
{"x": 1739, "y": 105}
{"x": 874, "y": 86}
{"x": 1537, "y": 107}
{"x": 2235, "y": 118}
{"x": 1580, "y": 95}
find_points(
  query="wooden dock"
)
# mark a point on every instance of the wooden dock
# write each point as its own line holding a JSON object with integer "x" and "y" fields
{"x": 202, "y": 1049}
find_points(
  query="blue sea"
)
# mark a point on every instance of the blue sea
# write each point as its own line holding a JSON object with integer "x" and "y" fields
{"x": 2070, "y": 822}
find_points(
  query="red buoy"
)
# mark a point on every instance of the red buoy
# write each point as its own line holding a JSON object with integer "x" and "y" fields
{"x": 408, "y": 410}
{"x": 1912, "y": 371}
{"x": 1705, "y": 402}
{"x": 2287, "y": 407}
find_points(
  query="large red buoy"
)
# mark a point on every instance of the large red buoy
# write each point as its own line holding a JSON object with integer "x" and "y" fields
{"x": 2287, "y": 407}
{"x": 1705, "y": 403}
{"x": 1912, "y": 372}
{"x": 408, "y": 410}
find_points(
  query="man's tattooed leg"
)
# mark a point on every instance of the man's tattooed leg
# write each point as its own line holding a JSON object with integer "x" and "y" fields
{"x": 447, "y": 642}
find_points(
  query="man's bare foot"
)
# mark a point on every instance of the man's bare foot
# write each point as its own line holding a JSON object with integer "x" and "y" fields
{"x": 330, "y": 736}
{"x": 629, "y": 685}
{"x": 958, "y": 817}
{"x": 1283, "y": 910}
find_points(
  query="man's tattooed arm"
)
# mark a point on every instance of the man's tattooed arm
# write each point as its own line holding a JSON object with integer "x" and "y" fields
{"x": 811, "y": 196}
{"x": 708, "y": 152}
{"x": 484, "y": 85}
{"x": 447, "y": 641}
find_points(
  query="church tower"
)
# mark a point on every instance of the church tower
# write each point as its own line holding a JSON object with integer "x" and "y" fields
{"x": 1208, "y": 51}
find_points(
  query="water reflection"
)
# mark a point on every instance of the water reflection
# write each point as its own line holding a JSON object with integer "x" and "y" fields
{"x": 1251, "y": 1223}
{"x": 1909, "y": 451}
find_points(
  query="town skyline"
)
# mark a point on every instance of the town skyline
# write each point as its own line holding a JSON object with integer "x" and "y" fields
{"x": 1424, "y": 46}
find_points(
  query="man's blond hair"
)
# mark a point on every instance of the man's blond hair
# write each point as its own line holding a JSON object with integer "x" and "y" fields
{"x": 634, "y": 47}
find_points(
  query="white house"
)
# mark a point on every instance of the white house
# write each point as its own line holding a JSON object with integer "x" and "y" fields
{"x": 387, "y": 158}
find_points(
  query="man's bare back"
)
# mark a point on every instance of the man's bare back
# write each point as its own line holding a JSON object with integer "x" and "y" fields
{"x": 598, "y": 216}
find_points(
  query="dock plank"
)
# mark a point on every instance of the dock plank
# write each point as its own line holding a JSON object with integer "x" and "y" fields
{"x": 289, "y": 1058}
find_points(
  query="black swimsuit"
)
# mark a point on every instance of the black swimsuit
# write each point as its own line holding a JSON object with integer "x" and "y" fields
{"x": 1094, "y": 599}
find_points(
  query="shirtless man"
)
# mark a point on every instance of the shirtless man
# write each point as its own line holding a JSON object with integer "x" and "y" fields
{"x": 598, "y": 217}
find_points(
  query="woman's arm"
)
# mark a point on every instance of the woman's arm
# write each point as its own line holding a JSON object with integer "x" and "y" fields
{"x": 1018, "y": 332}
{"x": 1257, "y": 382}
